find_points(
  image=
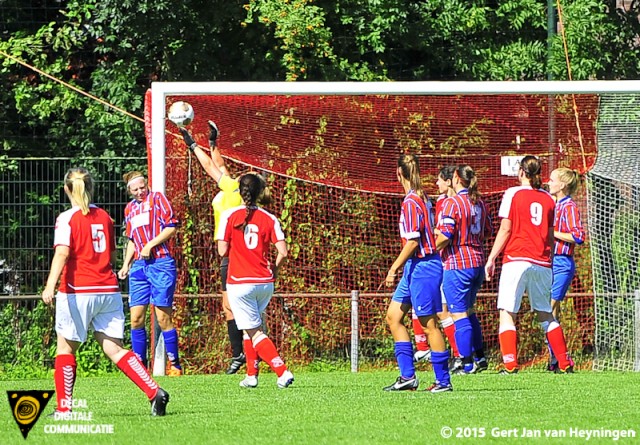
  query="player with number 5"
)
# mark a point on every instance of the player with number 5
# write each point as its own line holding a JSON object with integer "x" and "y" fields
{"x": 245, "y": 235}
{"x": 526, "y": 237}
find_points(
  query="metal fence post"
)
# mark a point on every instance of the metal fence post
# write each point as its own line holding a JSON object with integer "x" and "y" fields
{"x": 355, "y": 339}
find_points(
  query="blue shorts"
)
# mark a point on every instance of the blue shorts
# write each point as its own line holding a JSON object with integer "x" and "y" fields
{"x": 152, "y": 281}
{"x": 564, "y": 268}
{"x": 420, "y": 285}
{"x": 461, "y": 286}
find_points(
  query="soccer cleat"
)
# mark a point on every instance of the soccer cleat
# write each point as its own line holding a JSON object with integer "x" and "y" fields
{"x": 175, "y": 372}
{"x": 422, "y": 356}
{"x": 482, "y": 364}
{"x": 463, "y": 371}
{"x": 439, "y": 387}
{"x": 159, "y": 403}
{"x": 285, "y": 380}
{"x": 236, "y": 363}
{"x": 505, "y": 371}
{"x": 402, "y": 384}
{"x": 567, "y": 370}
{"x": 456, "y": 365}
{"x": 250, "y": 381}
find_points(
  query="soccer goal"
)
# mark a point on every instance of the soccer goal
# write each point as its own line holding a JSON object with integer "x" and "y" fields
{"x": 329, "y": 150}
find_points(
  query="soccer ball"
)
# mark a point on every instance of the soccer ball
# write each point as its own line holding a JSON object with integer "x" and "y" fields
{"x": 181, "y": 113}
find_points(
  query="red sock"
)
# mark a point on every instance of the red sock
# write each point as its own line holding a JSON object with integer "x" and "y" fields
{"x": 135, "y": 370}
{"x": 266, "y": 350}
{"x": 449, "y": 329}
{"x": 509, "y": 347}
{"x": 555, "y": 337}
{"x": 252, "y": 356}
{"x": 418, "y": 334}
{"x": 64, "y": 377}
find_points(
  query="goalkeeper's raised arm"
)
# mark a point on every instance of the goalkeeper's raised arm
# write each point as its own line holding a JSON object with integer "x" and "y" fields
{"x": 214, "y": 165}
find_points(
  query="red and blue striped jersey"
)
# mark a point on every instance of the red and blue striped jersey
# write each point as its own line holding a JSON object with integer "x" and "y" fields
{"x": 416, "y": 223}
{"x": 465, "y": 224}
{"x": 439, "y": 204}
{"x": 145, "y": 220}
{"x": 568, "y": 221}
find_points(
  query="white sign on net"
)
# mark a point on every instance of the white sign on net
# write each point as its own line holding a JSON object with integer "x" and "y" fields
{"x": 509, "y": 165}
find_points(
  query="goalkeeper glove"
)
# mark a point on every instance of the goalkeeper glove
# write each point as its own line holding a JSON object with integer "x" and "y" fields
{"x": 188, "y": 139}
{"x": 213, "y": 134}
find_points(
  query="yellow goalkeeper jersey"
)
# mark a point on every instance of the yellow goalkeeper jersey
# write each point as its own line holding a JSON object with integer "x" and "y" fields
{"x": 227, "y": 198}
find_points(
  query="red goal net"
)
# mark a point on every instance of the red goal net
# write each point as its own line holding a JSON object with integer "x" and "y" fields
{"x": 330, "y": 161}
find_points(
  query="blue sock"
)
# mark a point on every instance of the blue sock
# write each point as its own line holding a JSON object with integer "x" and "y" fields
{"x": 171, "y": 344}
{"x": 139, "y": 344}
{"x": 440, "y": 363}
{"x": 478, "y": 339}
{"x": 404, "y": 357}
{"x": 464, "y": 340}
{"x": 545, "y": 327}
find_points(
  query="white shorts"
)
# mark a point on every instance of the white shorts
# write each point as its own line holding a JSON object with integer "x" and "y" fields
{"x": 520, "y": 276}
{"x": 248, "y": 302}
{"x": 75, "y": 313}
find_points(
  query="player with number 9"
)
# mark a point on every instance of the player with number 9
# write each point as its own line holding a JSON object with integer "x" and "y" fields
{"x": 526, "y": 237}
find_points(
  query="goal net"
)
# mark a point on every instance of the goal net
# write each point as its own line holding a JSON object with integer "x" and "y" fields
{"x": 614, "y": 221}
{"x": 329, "y": 151}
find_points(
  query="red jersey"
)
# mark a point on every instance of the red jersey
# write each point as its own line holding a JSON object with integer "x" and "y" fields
{"x": 145, "y": 220}
{"x": 439, "y": 204}
{"x": 416, "y": 222}
{"x": 91, "y": 240}
{"x": 465, "y": 225}
{"x": 531, "y": 213}
{"x": 567, "y": 220}
{"x": 249, "y": 250}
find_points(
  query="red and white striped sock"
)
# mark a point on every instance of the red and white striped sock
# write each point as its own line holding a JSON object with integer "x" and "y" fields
{"x": 555, "y": 337}
{"x": 449, "y": 328}
{"x": 418, "y": 333}
{"x": 65, "y": 378}
{"x": 509, "y": 347}
{"x": 267, "y": 351}
{"x": 137, "y": 373}
{"x": 252, "y": 356}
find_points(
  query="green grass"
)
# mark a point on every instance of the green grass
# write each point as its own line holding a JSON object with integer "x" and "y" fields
{"x": 344, "y": 408}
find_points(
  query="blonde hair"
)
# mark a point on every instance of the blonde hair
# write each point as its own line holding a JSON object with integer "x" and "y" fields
{"x": 410, "y": 168}
{"x": 79, "y": 183}
{"x": 129, "y": 176}
{"x": 570, "y": 178}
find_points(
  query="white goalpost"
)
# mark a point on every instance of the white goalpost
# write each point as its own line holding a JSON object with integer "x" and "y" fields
{"x": 612, "y": 183}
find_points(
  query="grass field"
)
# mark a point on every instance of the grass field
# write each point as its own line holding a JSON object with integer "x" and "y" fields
{"x": 346, "y": 408}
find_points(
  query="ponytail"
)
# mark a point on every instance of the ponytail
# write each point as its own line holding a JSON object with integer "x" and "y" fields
{"x": 410, "y": 169}
{"x": 252, "y": 191}
{"x": 532, "y": 169}
{"x": 80, "y": 185}
{"x": 469, "y": 180}
{"x": 570, "y": 178}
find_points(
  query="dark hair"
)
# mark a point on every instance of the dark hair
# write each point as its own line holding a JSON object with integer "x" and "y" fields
{"x": 410, "y": 168}
{"x": 532, "y": 169}
{"x": 447, "y": 172}
{"x": 80, "y": 185}
{"x": 469, "y": 180}
{"x": 252, "y": 191}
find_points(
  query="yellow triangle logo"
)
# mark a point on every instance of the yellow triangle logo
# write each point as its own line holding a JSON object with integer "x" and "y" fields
{"x": 26, "y": 407}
